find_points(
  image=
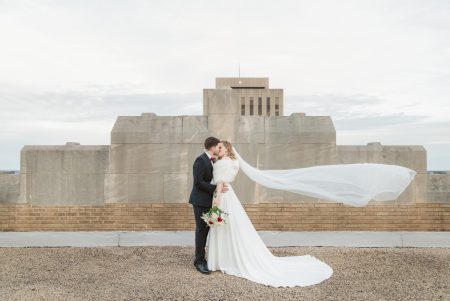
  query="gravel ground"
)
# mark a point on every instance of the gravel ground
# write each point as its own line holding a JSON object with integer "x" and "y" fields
{"x": 168, "y": 273}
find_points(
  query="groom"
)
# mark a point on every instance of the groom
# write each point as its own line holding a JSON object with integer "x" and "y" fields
{"x": 201, "y": 198}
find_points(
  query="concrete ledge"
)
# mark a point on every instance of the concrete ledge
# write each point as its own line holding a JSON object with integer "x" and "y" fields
{"x": 186, "y": 238}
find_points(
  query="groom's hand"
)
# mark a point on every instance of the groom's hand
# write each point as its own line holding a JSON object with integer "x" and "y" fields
{"x": 224, "y": 188}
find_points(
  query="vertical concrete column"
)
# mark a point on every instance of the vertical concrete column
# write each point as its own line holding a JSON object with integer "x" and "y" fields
{"x": 223, "y": 112}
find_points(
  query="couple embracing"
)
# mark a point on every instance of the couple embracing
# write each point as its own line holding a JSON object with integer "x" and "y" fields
{"x": 235, "y": 247}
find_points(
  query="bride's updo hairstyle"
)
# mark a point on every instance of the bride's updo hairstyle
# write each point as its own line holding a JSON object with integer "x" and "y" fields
{"x": 229, "y": 148}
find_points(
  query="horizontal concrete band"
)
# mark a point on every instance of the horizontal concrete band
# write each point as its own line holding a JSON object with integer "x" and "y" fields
{"x": 186, "y": 238}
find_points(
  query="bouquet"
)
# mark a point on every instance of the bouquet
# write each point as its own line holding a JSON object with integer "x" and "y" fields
{"x": 215, "y": 216}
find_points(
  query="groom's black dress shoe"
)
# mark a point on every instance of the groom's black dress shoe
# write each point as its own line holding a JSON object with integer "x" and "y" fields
{"x": 202, "y": 268}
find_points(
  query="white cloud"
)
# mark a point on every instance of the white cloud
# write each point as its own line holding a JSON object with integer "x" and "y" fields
{"x": 380, "y": 69}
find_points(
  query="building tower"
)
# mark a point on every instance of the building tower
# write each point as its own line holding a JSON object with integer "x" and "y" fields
{"x": 254, "y": 96}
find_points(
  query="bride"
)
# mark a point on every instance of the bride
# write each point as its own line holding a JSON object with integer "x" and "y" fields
{"x": 236, "y": 248}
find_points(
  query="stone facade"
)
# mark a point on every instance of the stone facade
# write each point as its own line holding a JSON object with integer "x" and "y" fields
{"x": 149, "y": 165}
{"x": 9, "y": 187}
{"x": 253, "y": 96}
{"x": 438, "y": 187}
{"x": 67, "y": 174}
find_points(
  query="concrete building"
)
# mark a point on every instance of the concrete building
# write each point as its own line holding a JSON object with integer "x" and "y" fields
{"x": 255, "y": 98}
{"x": 148, "y": 165}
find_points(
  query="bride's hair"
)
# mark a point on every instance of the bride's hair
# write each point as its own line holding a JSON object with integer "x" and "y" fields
{"x": 229, "y": 148}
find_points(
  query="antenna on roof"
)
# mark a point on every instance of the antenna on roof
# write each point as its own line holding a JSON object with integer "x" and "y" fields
{"x": 239, "y": 70}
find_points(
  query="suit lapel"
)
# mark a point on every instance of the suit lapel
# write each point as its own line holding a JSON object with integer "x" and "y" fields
{"x": 208, "y": 162}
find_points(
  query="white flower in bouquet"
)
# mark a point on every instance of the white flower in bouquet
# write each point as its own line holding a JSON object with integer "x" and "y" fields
{"x": 215, "y": 216}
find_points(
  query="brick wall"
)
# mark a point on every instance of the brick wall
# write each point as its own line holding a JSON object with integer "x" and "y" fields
{"x": 275, "y": 216}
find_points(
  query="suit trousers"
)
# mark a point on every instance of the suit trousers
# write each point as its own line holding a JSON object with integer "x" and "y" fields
{"x": 201, "y": 233}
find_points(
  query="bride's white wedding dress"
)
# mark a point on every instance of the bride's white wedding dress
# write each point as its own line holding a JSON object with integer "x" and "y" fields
{"x": 236, "y": 248}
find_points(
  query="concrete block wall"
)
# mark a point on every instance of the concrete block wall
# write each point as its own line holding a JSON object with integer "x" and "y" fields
{"x": 438, "y": 187}
{"x": 150, "y": 158}
{"x": 63, "y": 174}
{"x": 9, "y": 187}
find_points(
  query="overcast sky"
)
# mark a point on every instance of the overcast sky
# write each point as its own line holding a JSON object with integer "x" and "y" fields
{"x": 380, "y": 69}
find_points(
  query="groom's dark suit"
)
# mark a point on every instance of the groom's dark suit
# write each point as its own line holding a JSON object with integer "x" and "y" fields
{"x": 201, "y": 200}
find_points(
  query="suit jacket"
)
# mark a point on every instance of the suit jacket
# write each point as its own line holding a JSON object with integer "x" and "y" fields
{"x": 202, "y": 191}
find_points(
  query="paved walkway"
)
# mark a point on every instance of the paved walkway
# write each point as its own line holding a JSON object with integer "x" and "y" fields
{"x": 186, "y": 238}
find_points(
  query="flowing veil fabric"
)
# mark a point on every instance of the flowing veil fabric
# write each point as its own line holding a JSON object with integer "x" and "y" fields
{"x": 236, "y": 248}
{"x": 351, "y": 184}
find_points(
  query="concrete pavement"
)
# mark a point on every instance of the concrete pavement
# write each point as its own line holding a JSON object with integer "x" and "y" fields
{"x": 186, "y": 238}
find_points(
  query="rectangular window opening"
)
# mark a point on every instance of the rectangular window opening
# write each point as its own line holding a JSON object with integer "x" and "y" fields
{"x": 259, "y": 106}
{"x": 277, "y": 106}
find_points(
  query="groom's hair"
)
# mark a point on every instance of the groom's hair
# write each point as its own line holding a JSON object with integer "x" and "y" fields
{"x": 210, "y": 142}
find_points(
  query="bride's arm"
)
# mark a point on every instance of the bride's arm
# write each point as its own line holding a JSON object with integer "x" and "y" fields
{"x": 217, "y": 193}
{"x": 225, "y": 176}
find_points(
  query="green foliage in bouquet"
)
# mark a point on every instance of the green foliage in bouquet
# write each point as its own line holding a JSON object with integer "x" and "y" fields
{"x": 215, "y": 216}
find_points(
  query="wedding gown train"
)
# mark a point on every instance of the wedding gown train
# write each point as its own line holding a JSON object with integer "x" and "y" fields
{"x": 236, "y": 248}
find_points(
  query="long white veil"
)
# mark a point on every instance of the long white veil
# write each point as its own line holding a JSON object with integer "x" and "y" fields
{"x": 351, "y": 184}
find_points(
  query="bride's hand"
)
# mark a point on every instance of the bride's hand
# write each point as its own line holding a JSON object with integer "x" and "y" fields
{"x": 216, "y": 201}
{"x": 224, "y": 188}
